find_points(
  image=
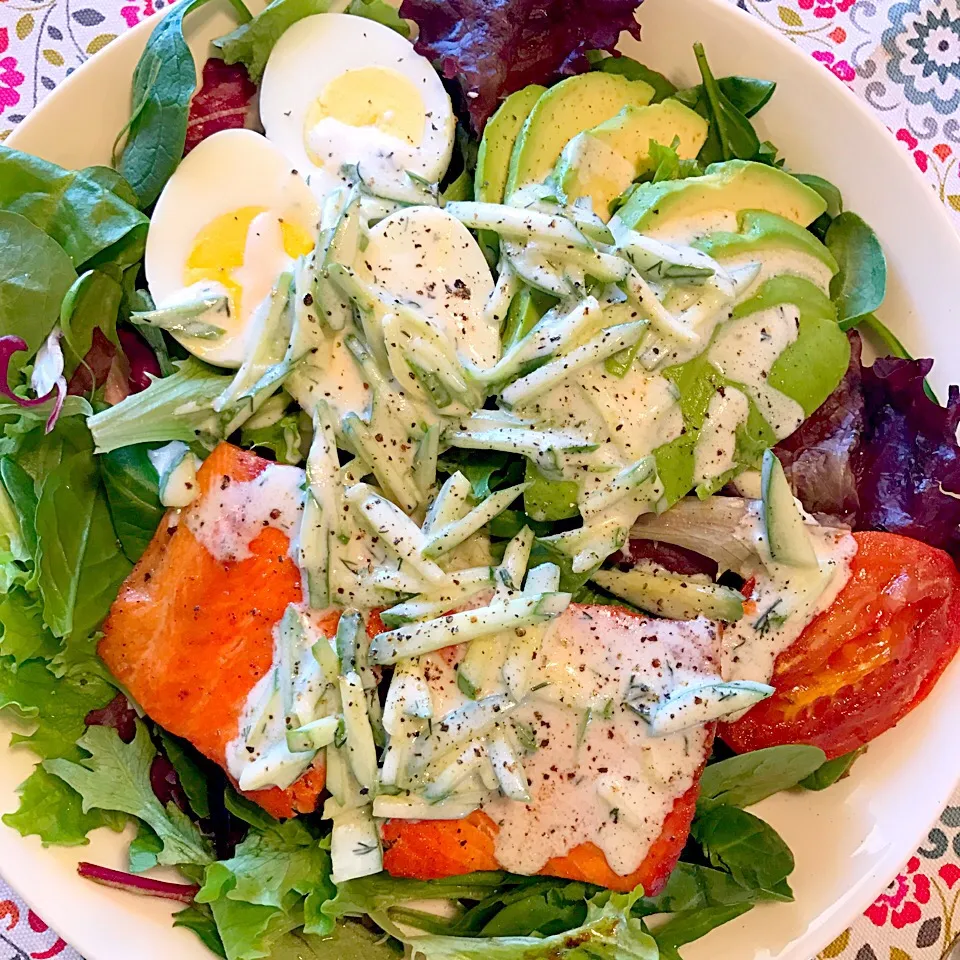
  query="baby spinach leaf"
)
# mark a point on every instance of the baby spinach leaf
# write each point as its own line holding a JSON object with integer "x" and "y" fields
{"x": 749, "y": 778}
{"x": 35, "y": 275}
{"x": 748, "y": 94}
{"x": 190, "y": 770}
{"x": 163, "y": 84}
{"x": 861, "y": 284}
{"x": 826, "y": 189}
{"x": 92, "y": 301}
{"x": 731, "y": 134}
{"x": 632, "y": 70}
{"x": 116, "y": 776}
{"x": 132, "y": 488}
{"x": 692, "y": 887}
{"x": 830, "y": 772}
{"x": 751, "y": 851}
{"x": 692, "y": 925}
{"x": 87, "y": 212}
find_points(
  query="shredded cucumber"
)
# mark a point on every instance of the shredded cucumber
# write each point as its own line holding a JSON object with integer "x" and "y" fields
{"x": 271, "y": 334}
{"x": 392, "y": 477}
{"x": 668, "y": 595}
{"x": 471, "y": 721}
{"x": 606, "y": 344}
{"x": 630, "y": 481}
{"x": 320, "y": 511}
{"x": 448, "y": 773}
{"x": 414, "y": 639}
{"x": 176, "y": 467}
{"x": 507, "y": 287}
{"x": 590, "y": 545}
{"x": 355, "y": 845}
{"x": 536, "y": 271}
{"x": 453, "y": 534}
{"x": 509, "y": 575}
{"x": 692, "y": 706}
{"x": 412, "y": 807}
{"x": 516, "y": 223}
{"x": 508, "y": 766}
{"x": 543, "y": 578}
{"x": 361, "y": 747}
{"x": 396, "y": 529}
{"x": 314, "y": 735}
{"x": 408, "y": 696}
{"x": 193, "y": 317}
{"x": 450, "y": 504}
{"x": 462, "y": 586}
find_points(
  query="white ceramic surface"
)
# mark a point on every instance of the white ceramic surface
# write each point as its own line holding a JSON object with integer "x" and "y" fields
{"x": 849, "y": 840}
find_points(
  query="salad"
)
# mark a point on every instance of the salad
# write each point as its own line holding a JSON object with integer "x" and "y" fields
{"x": 441, "y": 489}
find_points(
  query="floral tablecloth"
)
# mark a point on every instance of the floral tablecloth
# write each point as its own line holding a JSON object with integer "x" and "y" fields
{"x": 903, "y": 58}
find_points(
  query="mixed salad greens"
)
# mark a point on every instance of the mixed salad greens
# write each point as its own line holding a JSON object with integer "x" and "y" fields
{"x": 603, "y": 531}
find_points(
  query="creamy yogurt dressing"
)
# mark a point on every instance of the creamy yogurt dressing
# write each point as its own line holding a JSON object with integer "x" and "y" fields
{"x": 614, "y": 784}
{"x": 258, "y": 756}
{"x": 229, "y": 521}
{"x": 334, "y": 376}
{"x": 787, "y": 599}
{"x": 715, "y": 452}
{"x": 746, "y": 349}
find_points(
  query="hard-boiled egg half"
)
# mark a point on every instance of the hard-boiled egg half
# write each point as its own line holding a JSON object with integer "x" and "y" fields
{"x": 340, "y": 90}
{"x": 427, "y": 257}
{"x": 232, "y": 218}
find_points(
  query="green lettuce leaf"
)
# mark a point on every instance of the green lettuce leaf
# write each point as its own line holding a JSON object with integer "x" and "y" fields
{"x": 25, "y": 635}
{"x": 282, "y": 438}
{"x": 276, "y": 867}
{"x": 250, "y": 931}
{"x": 52, "y": 811}
{"x": 116, "y": 776}
{"x": 251, "y": 43}
{"x": 178, "y": 407}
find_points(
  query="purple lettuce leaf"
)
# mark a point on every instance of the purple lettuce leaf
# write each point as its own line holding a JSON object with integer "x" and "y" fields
{"x": 879, "y": 454}
{"x": 908, "y": 462}
{"x": 818, "y": 457}
{"x": 495, "y": 47}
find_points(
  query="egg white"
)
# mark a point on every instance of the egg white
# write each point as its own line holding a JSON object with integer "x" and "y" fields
{"x": 227, "y": 172}
{"x": 321, "y": 48}
{"x": 425, "y": 256}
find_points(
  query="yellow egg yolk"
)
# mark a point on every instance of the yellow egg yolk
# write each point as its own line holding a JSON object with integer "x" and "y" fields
{"x": 371, "y": 97}
{"x": 219, "y": 250}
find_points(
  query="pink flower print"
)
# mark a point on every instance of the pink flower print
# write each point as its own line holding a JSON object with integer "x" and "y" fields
{"x": 39, "y": 926}
{"x": 919, "y": 157}
{"x": 10, "y": 76}
{"x": 949, "y": 874}
{"x": 902, "y": 898}
{"x": 839, "y": 68}
{"x": 133, "y": 14}
{"x": 826, "y": 9}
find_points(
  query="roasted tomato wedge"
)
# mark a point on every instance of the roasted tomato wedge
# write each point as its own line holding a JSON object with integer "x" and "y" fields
{"x": 868, "y": 660}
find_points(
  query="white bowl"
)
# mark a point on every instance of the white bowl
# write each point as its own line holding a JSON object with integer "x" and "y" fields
{"x": 850, "y": 840}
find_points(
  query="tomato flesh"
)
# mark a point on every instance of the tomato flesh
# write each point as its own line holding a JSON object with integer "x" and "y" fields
{"x": 868, "y": 660}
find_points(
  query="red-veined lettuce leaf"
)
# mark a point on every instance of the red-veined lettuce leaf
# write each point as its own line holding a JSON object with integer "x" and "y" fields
{"x": 495, "y": 47}
{"x": 223, "y": 102}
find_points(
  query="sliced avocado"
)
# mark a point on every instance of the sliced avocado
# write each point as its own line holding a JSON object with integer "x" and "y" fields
{"x": 499, "y": 136}
{"x": 760, "y": 230}
{"x": 733, "y": 185}
{"x": 787, "y": 535}
{"x": 572, "y": 106}
{"x": 603, "y": 161}
{"x": 672, "y": 596}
